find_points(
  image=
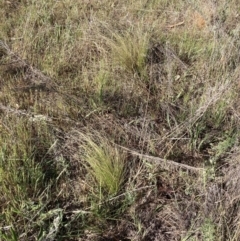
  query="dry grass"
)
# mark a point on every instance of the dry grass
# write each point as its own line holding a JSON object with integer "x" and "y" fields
{"x": 153, "y": 85}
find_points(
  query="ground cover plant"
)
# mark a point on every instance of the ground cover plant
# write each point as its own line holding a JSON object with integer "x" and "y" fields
{"x": 119, "y": 120}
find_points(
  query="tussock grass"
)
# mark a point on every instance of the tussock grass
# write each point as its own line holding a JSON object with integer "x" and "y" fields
{"x": 106, "y": 165}
{"x": 119, "y": 120}
{"x": 130, "y": 51}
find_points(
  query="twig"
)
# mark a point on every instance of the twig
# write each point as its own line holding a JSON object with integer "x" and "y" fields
{"x": 175, "y": 25}
{"x": 159, "y": 160}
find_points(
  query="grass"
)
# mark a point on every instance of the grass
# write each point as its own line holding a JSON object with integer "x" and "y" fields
{"x": 130, "y": 51}
{"x": 119, "y": 120}
{"x": 105, "y": 164}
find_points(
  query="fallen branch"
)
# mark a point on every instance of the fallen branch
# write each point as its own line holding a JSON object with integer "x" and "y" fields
{"x": 175, "y": 25}
{"x": 162, "y": 161}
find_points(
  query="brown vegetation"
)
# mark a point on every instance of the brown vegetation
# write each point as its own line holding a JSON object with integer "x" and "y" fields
{"x": 119, "y": 120}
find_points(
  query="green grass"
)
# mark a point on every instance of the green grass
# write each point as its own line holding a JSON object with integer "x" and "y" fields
{"x": 91, "y": 92}
{"x": 130, "y": 51}
{"x": 105, "y": 164}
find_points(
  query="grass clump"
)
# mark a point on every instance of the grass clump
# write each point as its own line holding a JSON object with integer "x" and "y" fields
{"x": 129, "y": 50}
{"x": 106, "y": 164}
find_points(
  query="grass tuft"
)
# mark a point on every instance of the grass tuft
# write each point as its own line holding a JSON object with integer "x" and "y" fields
{"x": 106, "y": 164}
{"x": 129, "y": 50}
